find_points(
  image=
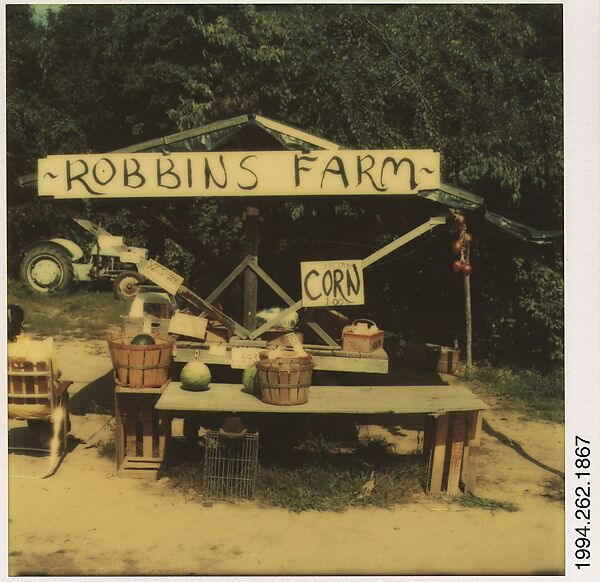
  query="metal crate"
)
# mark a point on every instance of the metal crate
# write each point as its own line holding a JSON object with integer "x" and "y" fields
{"x": 230, "y": 466}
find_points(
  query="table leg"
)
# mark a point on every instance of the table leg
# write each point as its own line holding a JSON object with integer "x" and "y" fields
{"x": 164, "y": 433}
{"x": 456, "y": 437}
{"x": 428, "y": 432}
{"x": 438, "y": 453}
{"x": 473, "y": 438}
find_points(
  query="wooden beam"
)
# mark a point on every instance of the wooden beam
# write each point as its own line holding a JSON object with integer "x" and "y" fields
{"x": 221, "y": 317}
{"x": 187, "y": 134}
{"x": 252, "y": 231}
{"x": 275, "y": 287}
{"x": 270, "y": 282}
{"x": 461, "y": 193}
{"x": 180, "y": 234}
{"x": 296, "y": 133}
{"x": 468, "y": 322}
{"x": 401, "y": 241}
{"x": 228, "y": 280}
{"x": 267, "y": 326}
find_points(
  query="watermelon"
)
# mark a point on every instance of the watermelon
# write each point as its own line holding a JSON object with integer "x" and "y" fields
{"x": 195, "y": 376}
{"x": 250, "y": 379}
{"x": 143, "y": 339}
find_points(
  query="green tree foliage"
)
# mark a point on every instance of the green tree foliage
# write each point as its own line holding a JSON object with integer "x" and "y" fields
{"x": 482, "y": 84}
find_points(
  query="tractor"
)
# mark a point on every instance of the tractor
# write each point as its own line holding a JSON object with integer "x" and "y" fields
{"x": 55, "y": 264}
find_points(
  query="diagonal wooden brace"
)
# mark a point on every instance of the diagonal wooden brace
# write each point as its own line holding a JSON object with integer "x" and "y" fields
{"x": 271, "y": 283}
{"x": 221, "y": 317}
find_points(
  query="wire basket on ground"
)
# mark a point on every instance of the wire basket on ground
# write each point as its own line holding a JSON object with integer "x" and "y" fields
{"x": 230, "y": 466}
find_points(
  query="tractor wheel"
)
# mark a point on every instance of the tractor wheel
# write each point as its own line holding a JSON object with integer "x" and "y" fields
{"x": 126, "y": 285}
{"x": 47, "y": 267}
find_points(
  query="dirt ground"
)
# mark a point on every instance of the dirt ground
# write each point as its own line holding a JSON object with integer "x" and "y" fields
{"x": 85, "y": 521}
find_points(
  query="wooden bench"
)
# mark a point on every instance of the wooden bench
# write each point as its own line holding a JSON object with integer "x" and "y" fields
{"x": 452, "y": 428}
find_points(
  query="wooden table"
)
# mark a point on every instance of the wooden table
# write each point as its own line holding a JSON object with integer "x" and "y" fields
{"x": 452, "y": 427}
{"x": 324, "y": 357}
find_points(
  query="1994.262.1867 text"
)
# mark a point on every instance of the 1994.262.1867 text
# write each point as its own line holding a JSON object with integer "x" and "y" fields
{"x": 582, "y": 502}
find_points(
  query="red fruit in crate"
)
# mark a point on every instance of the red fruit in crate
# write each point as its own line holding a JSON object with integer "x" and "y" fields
{"x": 467, "y": 269}
{"x": 468, "y": 238}
{"x": 456, "y": 247}
{"x": 457, "y": 266}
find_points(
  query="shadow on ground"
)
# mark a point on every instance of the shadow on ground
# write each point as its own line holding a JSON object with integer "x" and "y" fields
{"x": 96, "y": 397}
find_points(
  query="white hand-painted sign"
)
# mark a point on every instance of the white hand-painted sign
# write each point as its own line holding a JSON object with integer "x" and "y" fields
{"x": 332, "y": 283}
{"x": 261, "y": 173}
{"x": 241, "y": 358}
{"x": 189, "y": 325}
{"x": 161, "y": 276}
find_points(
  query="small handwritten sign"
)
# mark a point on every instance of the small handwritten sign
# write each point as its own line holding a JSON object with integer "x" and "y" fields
{"x": 332, "y": 283}
{"x": 161, "y": 276}
{"x": 189, "y": 325}
{"x": 241, "y": 358}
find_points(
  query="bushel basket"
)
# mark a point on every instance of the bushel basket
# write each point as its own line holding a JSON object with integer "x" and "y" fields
{"x": 285, "y": 380}
{"x": 140, "y": 366}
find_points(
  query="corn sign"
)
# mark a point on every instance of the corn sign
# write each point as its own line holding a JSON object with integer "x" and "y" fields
{"x": 332, "y": 283}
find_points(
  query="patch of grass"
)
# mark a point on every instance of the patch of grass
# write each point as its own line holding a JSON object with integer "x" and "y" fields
{"x": 187, "y": 477}
{"x": 336, "y": 482}
{"x": 470, "y": 500}
{"x": 537, "y": 395}
{"x": 316, "y": 476}
{"x": 83, "y": 313}
{"x": 554, "y": 489}
{"x": 107, "y": 447}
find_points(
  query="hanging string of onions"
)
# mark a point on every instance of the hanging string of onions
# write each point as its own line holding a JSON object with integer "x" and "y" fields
{"x": 462, "y": 245}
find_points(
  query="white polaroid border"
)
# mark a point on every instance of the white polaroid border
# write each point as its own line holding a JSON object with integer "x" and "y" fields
{"x": 582, "y": 276}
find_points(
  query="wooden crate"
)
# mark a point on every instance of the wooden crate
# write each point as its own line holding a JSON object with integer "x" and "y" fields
{"x": 432, "y": 357}
{"x": 362, "y": 340}
{"x": 141, "y": 432}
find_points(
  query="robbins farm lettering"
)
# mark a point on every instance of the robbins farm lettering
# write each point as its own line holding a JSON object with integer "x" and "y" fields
{"x": 265, "y": 173}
